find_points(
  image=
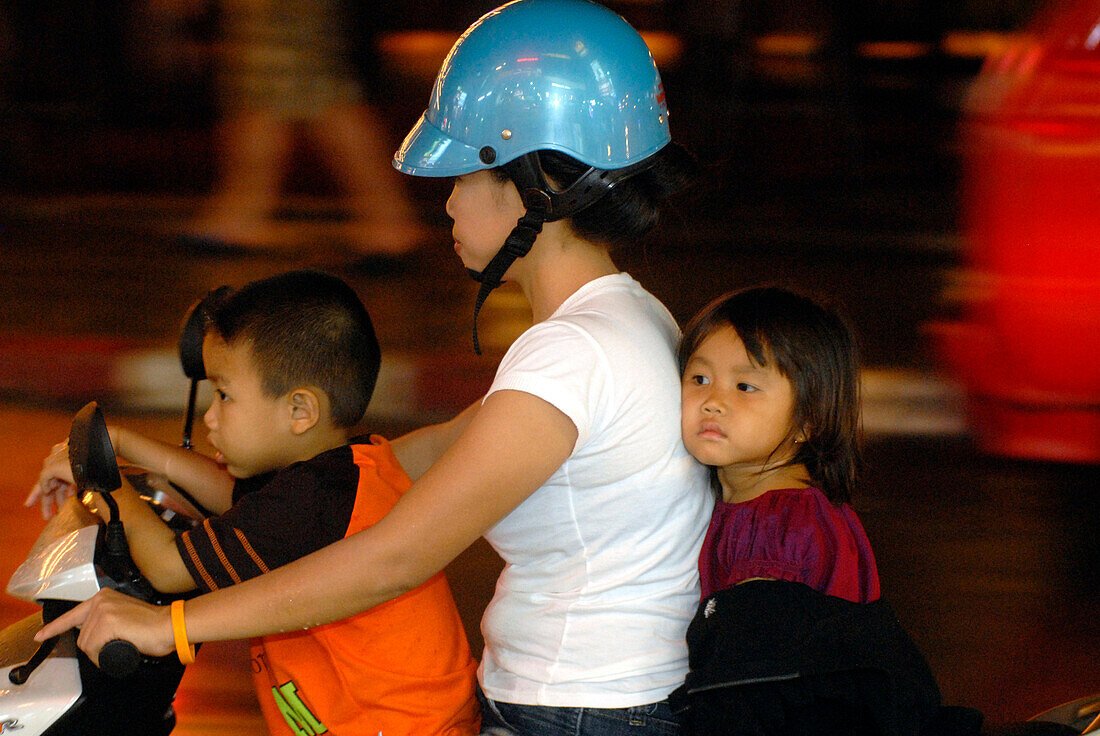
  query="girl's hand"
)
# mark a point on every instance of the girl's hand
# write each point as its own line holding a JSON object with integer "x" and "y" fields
{"x": 55, "y": 483}
{"x": 112, "y": 615}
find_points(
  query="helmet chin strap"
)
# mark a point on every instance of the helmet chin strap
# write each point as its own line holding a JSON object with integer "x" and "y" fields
{"x": 526, "y": 173}
{"x": 517, "y": 245}
{"x": 543, "y": 205}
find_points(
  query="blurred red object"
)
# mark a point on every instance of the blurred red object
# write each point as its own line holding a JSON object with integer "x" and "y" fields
{"x": 1027, "y": 344}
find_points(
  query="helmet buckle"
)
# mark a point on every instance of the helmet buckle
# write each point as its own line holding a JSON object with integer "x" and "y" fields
{"x": 536, "y": 199}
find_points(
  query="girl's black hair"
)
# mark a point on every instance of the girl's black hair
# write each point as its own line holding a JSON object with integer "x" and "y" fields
{"x": 633, "y": 206}
{"x": 814, "y": 347}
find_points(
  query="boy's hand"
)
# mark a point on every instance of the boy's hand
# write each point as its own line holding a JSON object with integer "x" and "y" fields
{"x": 55, "y": 483}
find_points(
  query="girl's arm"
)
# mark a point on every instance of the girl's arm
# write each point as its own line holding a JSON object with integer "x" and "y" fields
{"x": 417, "y": 450}
{"x": 511, "y": 446}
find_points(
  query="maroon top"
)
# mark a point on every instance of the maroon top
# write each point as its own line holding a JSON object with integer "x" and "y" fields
{"x": 792, "y": 534}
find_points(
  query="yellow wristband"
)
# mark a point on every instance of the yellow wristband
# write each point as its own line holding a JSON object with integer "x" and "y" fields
{"x": 185, "y": 651}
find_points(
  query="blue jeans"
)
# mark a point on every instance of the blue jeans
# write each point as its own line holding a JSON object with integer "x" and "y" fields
{"x": 655, "y": 719}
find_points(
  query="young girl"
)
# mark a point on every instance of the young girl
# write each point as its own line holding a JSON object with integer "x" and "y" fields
{"x": 770, "y": 401}
{"x": 791, "y": 637}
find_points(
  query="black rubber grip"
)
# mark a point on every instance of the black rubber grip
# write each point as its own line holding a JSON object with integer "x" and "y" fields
{"x": 119, "y": 658}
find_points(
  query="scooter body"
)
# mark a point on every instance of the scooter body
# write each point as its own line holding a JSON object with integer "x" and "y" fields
{"x": 1081, "y": 715}
{"x": 54, "y": 689}
{"x": 65, "y": 693}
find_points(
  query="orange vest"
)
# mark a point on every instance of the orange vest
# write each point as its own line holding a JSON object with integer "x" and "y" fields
{"x": 402, "y": 668}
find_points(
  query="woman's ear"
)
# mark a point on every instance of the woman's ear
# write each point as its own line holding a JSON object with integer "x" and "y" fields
{"x": 305, "y": 409}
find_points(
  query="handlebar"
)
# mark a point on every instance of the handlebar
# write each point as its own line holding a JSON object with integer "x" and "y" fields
{"x": 119, "y": 658}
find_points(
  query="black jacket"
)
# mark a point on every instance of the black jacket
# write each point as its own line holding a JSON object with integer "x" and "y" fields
{"x": 776, "y": 657}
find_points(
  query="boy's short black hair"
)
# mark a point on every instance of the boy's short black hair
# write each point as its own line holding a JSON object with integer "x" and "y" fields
{"x": 814, "y": 346}
{"x": 305, "y": 328}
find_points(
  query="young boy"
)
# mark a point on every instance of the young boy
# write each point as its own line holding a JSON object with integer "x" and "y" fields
{"x": 293, "y": 359}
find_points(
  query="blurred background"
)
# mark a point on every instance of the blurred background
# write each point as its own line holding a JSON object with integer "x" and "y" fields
{"x": 929, "y": 165}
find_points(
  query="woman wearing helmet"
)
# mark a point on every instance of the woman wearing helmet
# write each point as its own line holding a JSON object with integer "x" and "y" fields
{"x": 551, "y": 117}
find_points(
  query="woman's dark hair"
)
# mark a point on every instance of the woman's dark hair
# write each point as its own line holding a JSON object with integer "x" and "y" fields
{"x": 814, "y": 347}
{"x": 632, "y": 208}
{"x": 305, "y": 328}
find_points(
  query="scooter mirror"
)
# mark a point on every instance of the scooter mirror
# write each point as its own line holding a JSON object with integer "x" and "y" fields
{"x": 194, "y": 329}
{"x": 190, "y": 347}
{"x": 190, "y": 350}
{"x": 91, "y": 456}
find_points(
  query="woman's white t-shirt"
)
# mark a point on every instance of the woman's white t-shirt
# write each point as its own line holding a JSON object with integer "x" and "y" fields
{"x": 601, "y": 562}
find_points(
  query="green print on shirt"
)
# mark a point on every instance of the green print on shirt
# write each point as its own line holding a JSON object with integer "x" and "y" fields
{"x": 301, "y": 721}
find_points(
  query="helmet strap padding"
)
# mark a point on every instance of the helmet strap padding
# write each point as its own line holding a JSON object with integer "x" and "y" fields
{"x": 527, "y": 174}
{"x": 590, "y": 187}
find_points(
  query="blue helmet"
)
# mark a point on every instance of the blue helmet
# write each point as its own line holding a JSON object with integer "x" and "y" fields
{"x": 541, "y": 75}
{"x": 561, "y": 75}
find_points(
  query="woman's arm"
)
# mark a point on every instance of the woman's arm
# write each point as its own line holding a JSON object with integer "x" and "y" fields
{"x": 511, "y": 446}
{"x": 417, "y": 450}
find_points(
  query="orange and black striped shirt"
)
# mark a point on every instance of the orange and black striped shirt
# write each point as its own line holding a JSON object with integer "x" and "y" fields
{"x": 403, "y": 667}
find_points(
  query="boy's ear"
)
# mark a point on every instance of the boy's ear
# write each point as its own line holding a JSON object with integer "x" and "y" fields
{"x": 305, "y": 409}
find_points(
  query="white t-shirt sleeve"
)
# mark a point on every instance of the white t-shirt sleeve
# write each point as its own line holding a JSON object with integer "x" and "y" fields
{"x": 562, "y": 365}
